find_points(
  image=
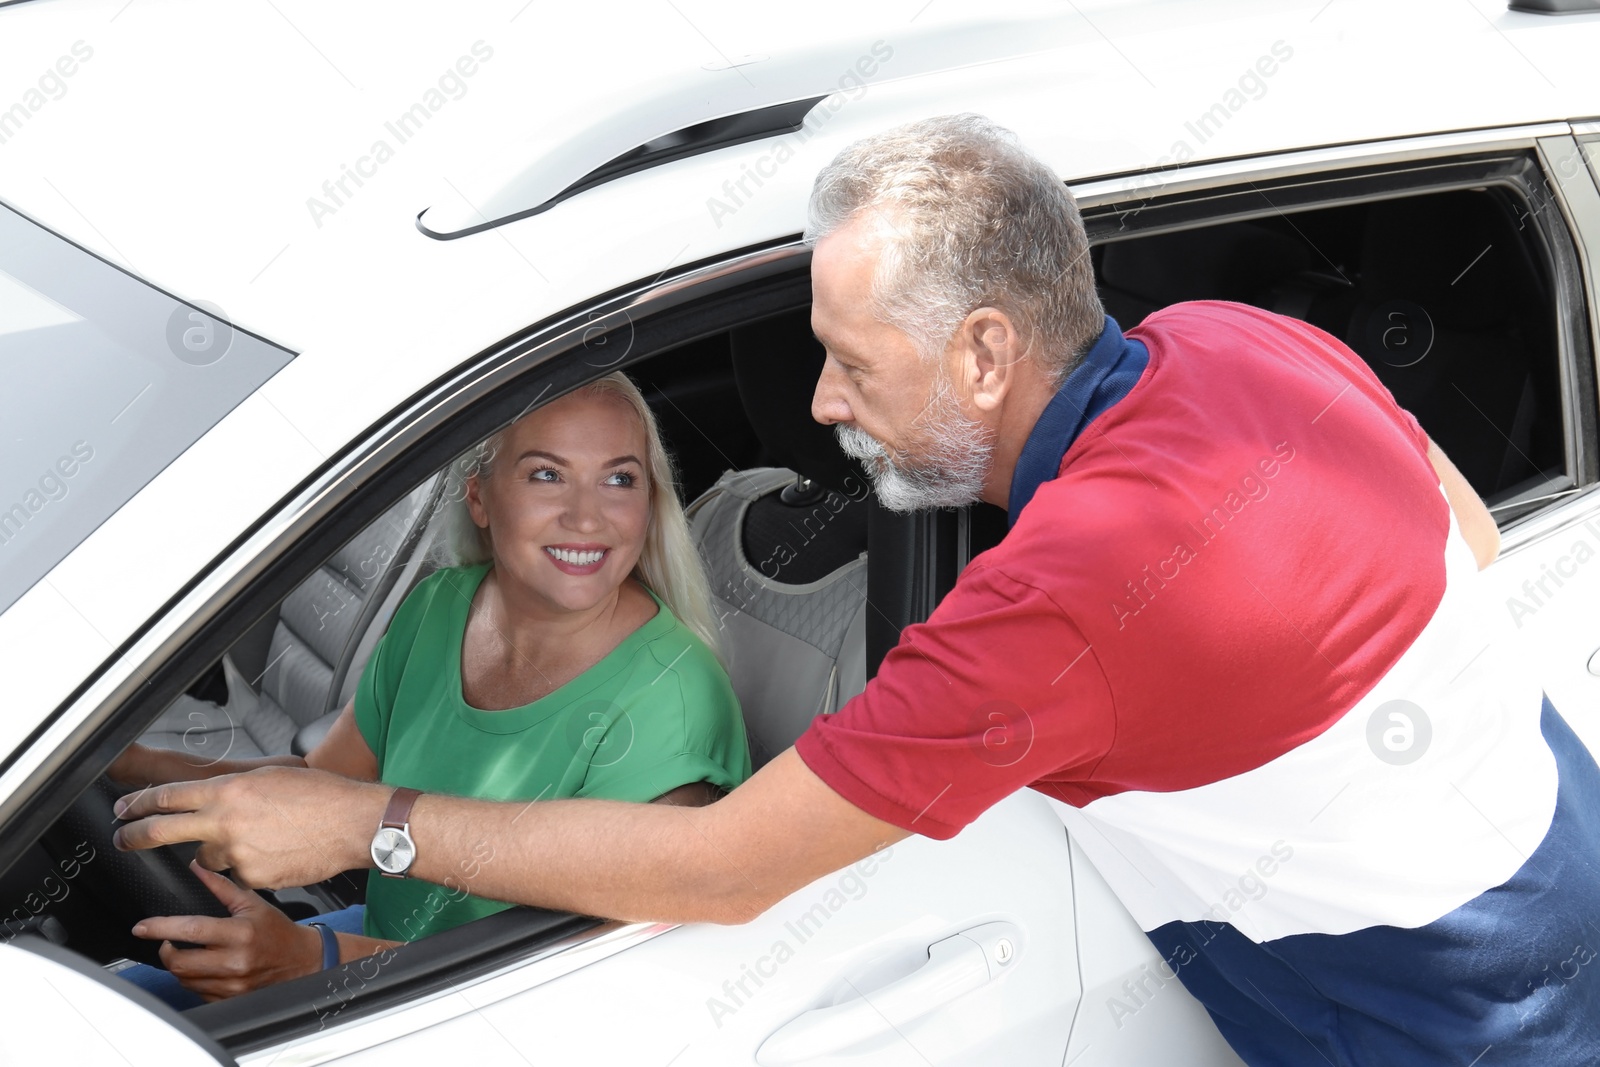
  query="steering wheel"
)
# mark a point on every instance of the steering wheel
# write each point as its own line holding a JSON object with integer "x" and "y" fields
{"x": 127, "y": 886}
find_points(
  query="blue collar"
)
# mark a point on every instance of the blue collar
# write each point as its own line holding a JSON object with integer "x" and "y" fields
{"x": 1104, "y": 376}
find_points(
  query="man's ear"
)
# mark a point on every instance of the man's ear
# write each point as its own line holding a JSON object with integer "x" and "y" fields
{"x": 987, "y": 357}
{"x": 474, "y": 497}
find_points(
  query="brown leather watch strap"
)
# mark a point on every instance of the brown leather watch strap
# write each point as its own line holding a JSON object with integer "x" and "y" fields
{"x": 398, "y": 813}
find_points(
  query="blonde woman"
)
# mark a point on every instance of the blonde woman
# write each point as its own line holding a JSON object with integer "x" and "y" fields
{"x": 568, "y": 653}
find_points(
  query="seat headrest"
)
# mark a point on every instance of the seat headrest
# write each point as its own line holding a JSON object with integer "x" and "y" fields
{"x": 776, "y": 362}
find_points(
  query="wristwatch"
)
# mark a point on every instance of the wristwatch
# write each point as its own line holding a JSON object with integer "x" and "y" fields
{"x": 393, "y": 850}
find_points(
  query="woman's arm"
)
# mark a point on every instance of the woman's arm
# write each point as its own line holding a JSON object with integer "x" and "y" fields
{"x": 693, "y": 795}
{"x": 359, "y": 946}
{"x": 142, "y": 766}
{"x": 256, "y": 945}
{"x": 343, "y": 751}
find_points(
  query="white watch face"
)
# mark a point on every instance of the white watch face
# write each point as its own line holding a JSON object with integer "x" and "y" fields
{"x": 393, "y": 850}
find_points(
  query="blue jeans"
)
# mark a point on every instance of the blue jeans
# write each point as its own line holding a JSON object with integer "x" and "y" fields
{"x": 166, "y": 988}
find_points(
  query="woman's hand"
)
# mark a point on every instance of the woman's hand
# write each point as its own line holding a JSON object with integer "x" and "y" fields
{"x": 141, "y": 766}
{"x": 256, "y": 946}
{"x": 138, "y": 766}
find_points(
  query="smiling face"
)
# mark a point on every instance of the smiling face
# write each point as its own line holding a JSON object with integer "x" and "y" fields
{"x": 893, "y": 410}
{"x": 566, "y": 501}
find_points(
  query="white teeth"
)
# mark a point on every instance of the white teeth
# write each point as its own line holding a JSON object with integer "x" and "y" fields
{"x": 580, "y": 559}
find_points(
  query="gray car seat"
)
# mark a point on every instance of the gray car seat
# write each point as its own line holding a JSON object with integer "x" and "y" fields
{"x": 785, "y": 546}
{"x": 816, "y": 630}
{"x": 319, "y": 642}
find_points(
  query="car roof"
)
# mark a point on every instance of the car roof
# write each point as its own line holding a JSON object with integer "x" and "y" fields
{"x": 191, "y": 141}
{"x": 193, "y": 146}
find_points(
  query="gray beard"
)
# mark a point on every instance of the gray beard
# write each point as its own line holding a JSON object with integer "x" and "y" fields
{"x": 949, "y": 473}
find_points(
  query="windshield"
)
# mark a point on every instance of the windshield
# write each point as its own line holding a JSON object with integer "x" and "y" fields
{"x": 106, "y": 381}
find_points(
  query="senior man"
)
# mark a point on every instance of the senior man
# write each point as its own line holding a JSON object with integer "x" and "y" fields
{"x": 1232, "y": 563}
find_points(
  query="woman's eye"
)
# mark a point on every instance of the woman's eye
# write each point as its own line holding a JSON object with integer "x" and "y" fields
{"x": 538, "y": 475}
{"x": 624, "y": 478}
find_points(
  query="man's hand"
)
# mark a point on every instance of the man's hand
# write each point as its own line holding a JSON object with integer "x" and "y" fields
{"x": 257, "y": 946}
{"x": 274, "y": 827}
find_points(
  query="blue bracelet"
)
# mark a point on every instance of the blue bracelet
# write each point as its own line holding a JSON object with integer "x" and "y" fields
{"x": 330, "y": 945}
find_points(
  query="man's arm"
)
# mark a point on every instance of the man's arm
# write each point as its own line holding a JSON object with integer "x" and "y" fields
{"x": 1477, "y": 525}
{"x": 725, "y": 863}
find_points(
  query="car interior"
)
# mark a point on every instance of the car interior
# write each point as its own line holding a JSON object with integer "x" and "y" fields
{"x": 785, "y": 522}
{"x": 1444, "y": 298}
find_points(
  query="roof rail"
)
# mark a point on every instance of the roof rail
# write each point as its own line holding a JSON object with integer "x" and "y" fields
{"x": 540, "y": 157}
{"x": 708, "y": 136}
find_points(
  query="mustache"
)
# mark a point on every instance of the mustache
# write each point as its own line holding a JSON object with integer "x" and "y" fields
{"x": 858, "y": 444}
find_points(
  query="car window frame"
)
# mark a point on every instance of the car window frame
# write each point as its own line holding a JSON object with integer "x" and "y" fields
{"x": 132, "y": 686}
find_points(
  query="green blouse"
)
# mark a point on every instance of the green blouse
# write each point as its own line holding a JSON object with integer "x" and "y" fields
{"x": 655, "y": 713}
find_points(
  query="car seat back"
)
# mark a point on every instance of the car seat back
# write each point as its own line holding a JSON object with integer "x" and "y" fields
{"x": 789, "y": 584}
{"x": 321, "y": 637}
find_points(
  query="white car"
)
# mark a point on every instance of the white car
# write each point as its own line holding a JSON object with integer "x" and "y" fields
{"x": 266, "y": 268}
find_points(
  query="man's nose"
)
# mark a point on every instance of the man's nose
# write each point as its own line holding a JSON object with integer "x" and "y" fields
{"x": 828, "y": 404}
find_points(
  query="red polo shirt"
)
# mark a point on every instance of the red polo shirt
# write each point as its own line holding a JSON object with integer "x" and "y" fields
{"x": 1211, "y": 513}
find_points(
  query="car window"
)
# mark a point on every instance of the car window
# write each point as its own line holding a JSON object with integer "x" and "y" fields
{"x": 284, "y": 671}
{"x": 1450, "y": 296}
{"x": 107, "y": 381}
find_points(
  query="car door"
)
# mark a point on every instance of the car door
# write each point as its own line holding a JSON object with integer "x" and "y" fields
{"x": 1380, "y": 245}
{"x": 961, "y": 952}
{"x": 65, "y": 1012}
{"x": 1544, "y": 584}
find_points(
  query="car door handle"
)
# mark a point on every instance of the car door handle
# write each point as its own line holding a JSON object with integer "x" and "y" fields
{"x": 956, "y": 966}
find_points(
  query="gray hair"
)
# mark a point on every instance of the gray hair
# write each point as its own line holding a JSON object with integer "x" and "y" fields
{"x": 972, "y": 220}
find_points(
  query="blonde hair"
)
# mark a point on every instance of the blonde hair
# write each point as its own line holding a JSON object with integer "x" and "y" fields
{"x": 669, "y": 564}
